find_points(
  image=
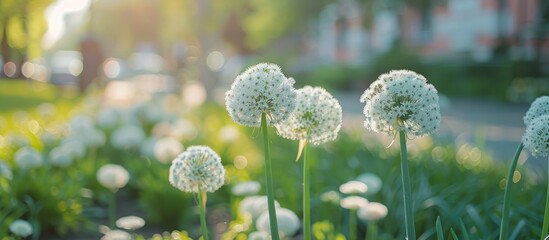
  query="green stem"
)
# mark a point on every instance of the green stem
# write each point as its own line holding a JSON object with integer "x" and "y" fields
{"x": 507, "y": 196}
{"x": 352, "y": 224}
{"x": 202, "y": 203}
{"x": 306, "y": 194}
{"x": 268, "y": 177}
{"x": 371, "y": 234}
{"x": 112, "y": 209}
{"x": 546, "y": 215}
{"x": 408, "y": 212}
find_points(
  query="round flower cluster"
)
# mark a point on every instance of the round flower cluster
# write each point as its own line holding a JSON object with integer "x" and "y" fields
{"x": 197, "y": 169}
{"x": 401, "y": 100}
{"x": 113, "y": 176}
{"x": 262, "y": 88}
{"x": 288, "y": 222}
{"x": 536, "y": 137}
{"x": 353, "y": 202}
{"x": 28, "y": 158}
{"x": 21, "y": 228}
{"x": 253, "y": 206}
{"x": 127, "y": 137}
{"x": 538, "y": 108}
{"x": 317, "y": 117}
{"x": 353, "y": 187}
{"x": 373, "y": 211}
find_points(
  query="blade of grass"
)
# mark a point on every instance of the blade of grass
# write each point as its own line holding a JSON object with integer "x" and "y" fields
{"x": 440, "y": 233}
{"x": 464, "y": 231}
{"x": 517, "y": 229}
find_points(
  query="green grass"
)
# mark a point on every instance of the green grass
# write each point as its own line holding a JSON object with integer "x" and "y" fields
{"x": 17, "y": 95}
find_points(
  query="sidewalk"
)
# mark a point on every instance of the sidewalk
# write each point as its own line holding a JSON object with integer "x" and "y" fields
{"x": 498, "y": 126}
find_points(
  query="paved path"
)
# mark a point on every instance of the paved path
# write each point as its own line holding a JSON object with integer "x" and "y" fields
{"x": 499, "y": 126}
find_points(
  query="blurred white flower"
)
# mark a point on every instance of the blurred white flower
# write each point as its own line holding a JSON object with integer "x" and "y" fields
{"x": 254, "y": 206}
{"x": 401, "y": 100}
{"x": 330, "y": 196}
{"x": 147, "y": 147}
{"x": 127, "y": 137}
{"x": 371, "y": 180}
{"x": 80, "y": 121}
{"x": 116, "y": 235}
{"x": 353, "y": 202}
{"x": 21, "y": 228}
{"x": 246, "y": 188}
{"x": 17, "y": 140}
{"x": 538, "y": 108}
{"x": 150, "y": 112}
{"x": 5, "y": 170}
{"x": 183, "y": 129}
{"x": 166, "y": 149}
{"x": 262, "y": 88}
{"x": 536, "y": 137}
{"x": 73, "y": 147}
{"x": 113, "y": 176}
{"x": 317, "y": 117}
{"x": 373, "y": 211}
{"x": 259, "y": 236}
{"x": 60, "y": 157}
{"x": 197, "y": 169}
{"x": 228, "y": 134}
{"x": 27, "y": 158}
{"x": 288, "y": 222}
{"x": 108, "y": 117}
{"x": 130, "y": 222}
{"x": 353, "y": 187}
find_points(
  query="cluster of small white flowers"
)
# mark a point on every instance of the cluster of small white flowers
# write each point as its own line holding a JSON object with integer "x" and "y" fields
{"x": 262, "y": 88}
{"x": 401, "y": 100}
{"x": 28, "y": 158}
{"x": 373, "y": 211}
{"x": 538, "y": 108}
{"x": 288, "y": 222}
{"x": 317, "y": 117}
{"x": 254, "y": 206}
{"x": 21, "y": 228}
{"x": 536, "y": 137}
{"x": 353, "y": 187}
{"x": 353, "y": 202}
{"x": 127, "y": 137}
{"x": 130, "y": 222}
{"x": 113, "y": 176}
{"x": 166, "y": 149}
{"x": 197, "y": 169}
{"x": 60, "y": 157}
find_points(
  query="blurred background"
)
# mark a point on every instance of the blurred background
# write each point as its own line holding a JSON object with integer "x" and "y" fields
{"x": 488, "y": 48}
{"x": 76, "y": 73}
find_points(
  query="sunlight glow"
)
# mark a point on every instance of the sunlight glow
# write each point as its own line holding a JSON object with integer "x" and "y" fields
{"x": 55, "y": 16}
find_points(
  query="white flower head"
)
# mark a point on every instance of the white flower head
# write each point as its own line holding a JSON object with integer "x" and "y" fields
{"x": 317, "y": 117}
{"x": 353, "y": 187}
{"x": 288, "y": 222}
{"x": 538, "y": 108}
{"x": 353, "y": 202}
{"x": 166, "y": 149}
{"x": 130, "y": 222}
{"x": 21, "y": 228}
{"x": 401, "y": 100}
{"x": 113, "y": 176}
{"x": 372, "y": 211}
{"x": 60, "y": 157}
{"x": 197, "y": 169}
{"x": 371, "y": 180}
{"x": 27, "y": 158}
{"x": 108, "y": 118}
{"x": 116, "y": 235}
{"x": 262, "y": 88}
{"x": 246, "y": 188}
{"x": 254, "y": 206}
{"x": 259, "y": 236}
{"x": 127, "y": 137}
{"x": 536, "y": 137}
